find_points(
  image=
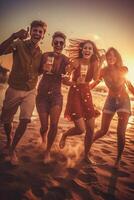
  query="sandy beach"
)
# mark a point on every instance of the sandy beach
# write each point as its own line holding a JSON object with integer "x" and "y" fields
{"x": 68, "y": 176}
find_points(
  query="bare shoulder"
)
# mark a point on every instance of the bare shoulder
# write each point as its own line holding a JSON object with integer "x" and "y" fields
{"x": 124, "y": 69}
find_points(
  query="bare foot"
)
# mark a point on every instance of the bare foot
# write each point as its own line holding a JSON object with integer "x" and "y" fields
{"x": 42, "y": 142}
{"x": 44, "y": 139}
{"x": 62, "y": 142}
{"x": 30, "y": 196}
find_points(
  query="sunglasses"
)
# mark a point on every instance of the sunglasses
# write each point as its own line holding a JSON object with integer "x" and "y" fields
{"x": 61, "y": 43}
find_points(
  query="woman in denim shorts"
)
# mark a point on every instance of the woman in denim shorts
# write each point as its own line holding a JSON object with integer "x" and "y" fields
{"x": 117, "y": 100}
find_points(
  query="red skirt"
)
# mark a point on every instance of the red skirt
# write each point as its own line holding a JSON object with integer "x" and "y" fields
{"x": 79, "y": 103}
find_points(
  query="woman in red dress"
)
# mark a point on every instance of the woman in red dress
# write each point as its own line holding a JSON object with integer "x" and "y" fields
{"x": 80, "y": 109}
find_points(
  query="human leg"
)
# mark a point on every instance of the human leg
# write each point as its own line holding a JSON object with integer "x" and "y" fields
{"x": 17, "y": 136}
{"x": 77, "y": 130}
{"x": 44, "y": 126}
{"x": 55, "y": 112}
{"x": 121, "y": 129}
{"x": 54, "y": 119}
{"x": 10, "y": 106}
{"x": 89, "y": 135}
{"x": 8, "y": 131}
{"x": 26, "y": 108}
{"x": 105, "y": 123}
{"x": 42, "y": 106}
{"x": 19, "y": 133}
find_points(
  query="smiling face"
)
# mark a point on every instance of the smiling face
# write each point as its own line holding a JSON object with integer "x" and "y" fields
{"x": 87, "y": 50}
{"x": 58, "y": 44}
{"x": 111, "y": 58}
{"x": 37, "y": 33}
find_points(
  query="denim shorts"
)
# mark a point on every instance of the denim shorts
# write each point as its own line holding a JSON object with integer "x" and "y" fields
{"x": 46, "y": 102}
{"x": 117, "y": 104}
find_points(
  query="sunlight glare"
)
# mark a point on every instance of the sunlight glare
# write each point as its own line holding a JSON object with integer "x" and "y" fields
{"x": 130, "y": 65}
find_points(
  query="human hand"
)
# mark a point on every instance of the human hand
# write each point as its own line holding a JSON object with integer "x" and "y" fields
{"x": 48, "y": 65}
{"x": 65, "y": 77}
{"x": 21, "y": 34}
{"x": 66, "y": 80}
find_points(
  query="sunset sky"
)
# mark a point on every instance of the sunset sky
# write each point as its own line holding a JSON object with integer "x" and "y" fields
{"x": 106, "y": 22}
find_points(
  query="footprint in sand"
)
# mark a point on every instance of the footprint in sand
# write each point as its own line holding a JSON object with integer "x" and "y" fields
{"x": 77, "y": 187}
{"x": 26, "y": 159}
{"x": 59, "y": 156}
{"x": 100, "y": 160}
{"x": 87, "y": 178}
{"x": 72, "y": 171}
{"x": 123, "y": 174}
{"x": 106, "y": 151}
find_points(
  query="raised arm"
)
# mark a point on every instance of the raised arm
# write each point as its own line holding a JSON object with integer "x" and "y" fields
{"x": 130, "y": 86}
{"x": 97, "y": 80}
{"x": 6, "y": 47}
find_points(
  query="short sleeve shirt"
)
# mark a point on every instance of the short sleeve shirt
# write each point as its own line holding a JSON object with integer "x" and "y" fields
{"x": 26, "y": 63}
{"x": 52, "y": 81}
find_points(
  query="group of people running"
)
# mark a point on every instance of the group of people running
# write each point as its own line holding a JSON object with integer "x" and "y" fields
{"x": 81, "y": 71}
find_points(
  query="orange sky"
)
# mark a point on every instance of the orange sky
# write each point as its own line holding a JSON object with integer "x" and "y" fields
{"x": 108, "y": 23}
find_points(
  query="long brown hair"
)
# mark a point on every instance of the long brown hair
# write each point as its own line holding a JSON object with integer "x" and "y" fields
{"x": 76, "y": 46}
{"x": 75, "y": 52}
{"x": 119, "y": 62}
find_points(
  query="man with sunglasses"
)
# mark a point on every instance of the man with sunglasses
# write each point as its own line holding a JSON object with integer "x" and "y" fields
{"x": 22, "y": 80}
{"x": 49, "y": 99}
